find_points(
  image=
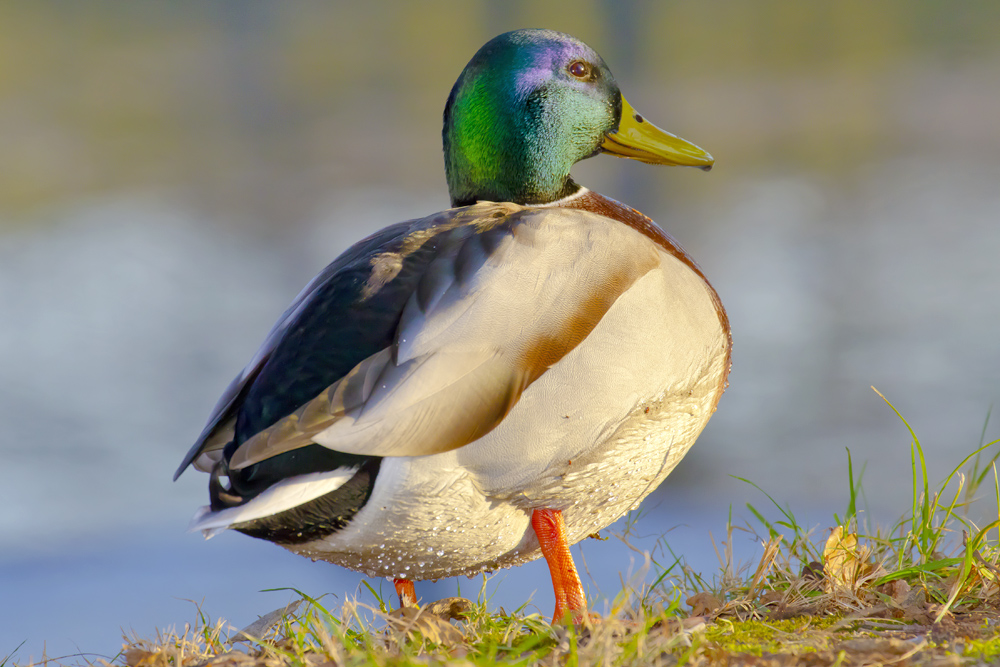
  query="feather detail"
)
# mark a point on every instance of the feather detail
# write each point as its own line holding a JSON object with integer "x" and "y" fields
{"x": 298, "y": 429}
{"x": 500, "y": 302}
{"x": 284, "y": 495}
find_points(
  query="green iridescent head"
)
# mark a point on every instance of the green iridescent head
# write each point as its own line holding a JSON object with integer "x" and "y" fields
{"x": 527, "y": 107}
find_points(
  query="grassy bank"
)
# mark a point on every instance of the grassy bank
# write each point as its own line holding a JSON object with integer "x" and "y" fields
{"x": 924, "y": 591}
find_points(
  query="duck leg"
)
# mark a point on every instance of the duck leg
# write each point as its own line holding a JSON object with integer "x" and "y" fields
{"x": 406, "y": 592}
{"x": 551, "y": 532}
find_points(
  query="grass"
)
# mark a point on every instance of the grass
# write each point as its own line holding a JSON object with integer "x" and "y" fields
{"x": 925, "y": 590}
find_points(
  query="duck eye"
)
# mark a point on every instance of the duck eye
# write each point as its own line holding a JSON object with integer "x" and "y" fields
{"x": 579, "y": 69}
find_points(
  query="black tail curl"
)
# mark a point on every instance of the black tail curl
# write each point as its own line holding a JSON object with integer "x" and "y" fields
{"x": 222, "y": 497}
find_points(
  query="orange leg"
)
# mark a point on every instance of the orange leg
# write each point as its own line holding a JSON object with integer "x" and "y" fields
{"x": 406, "y": 592}
{"x": 551, "y": 532}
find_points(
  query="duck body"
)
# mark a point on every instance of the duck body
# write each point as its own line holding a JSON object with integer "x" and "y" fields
{"x": 450, "y": 383}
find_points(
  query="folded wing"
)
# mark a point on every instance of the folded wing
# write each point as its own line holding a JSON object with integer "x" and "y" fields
{"x": 501, "y": 294}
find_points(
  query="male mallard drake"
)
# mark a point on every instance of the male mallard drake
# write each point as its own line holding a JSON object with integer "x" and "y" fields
{"x": 474, "y": 389}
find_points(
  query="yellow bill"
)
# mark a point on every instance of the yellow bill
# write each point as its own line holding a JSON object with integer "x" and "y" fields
{"x": 638, "y": 139}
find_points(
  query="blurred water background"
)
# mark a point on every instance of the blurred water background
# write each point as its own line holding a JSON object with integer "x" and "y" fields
{"x": 172, "y": 173}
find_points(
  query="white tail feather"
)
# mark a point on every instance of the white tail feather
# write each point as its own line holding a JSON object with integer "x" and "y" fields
{"x": 284, "y": 495}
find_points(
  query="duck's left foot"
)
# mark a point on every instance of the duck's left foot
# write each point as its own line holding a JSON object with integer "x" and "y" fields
{"x": 406, "y": 592}
{"x": 571, "y": 603}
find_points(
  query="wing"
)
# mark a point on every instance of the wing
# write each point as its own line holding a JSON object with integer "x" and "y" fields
{"x": 334, "y": 285}
{"x": 501, "y": 297}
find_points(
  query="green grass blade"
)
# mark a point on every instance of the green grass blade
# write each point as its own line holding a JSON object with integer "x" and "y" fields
{"x": 852, "y": 510}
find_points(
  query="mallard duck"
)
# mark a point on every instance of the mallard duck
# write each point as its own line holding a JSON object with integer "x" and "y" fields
{"x": 492, "y": 383}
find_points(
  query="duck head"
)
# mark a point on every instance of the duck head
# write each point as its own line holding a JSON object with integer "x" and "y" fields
{"x": 528, "y": 106}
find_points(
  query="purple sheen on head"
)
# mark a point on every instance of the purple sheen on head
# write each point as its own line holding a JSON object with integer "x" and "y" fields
{"x": 552, "y": 52}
